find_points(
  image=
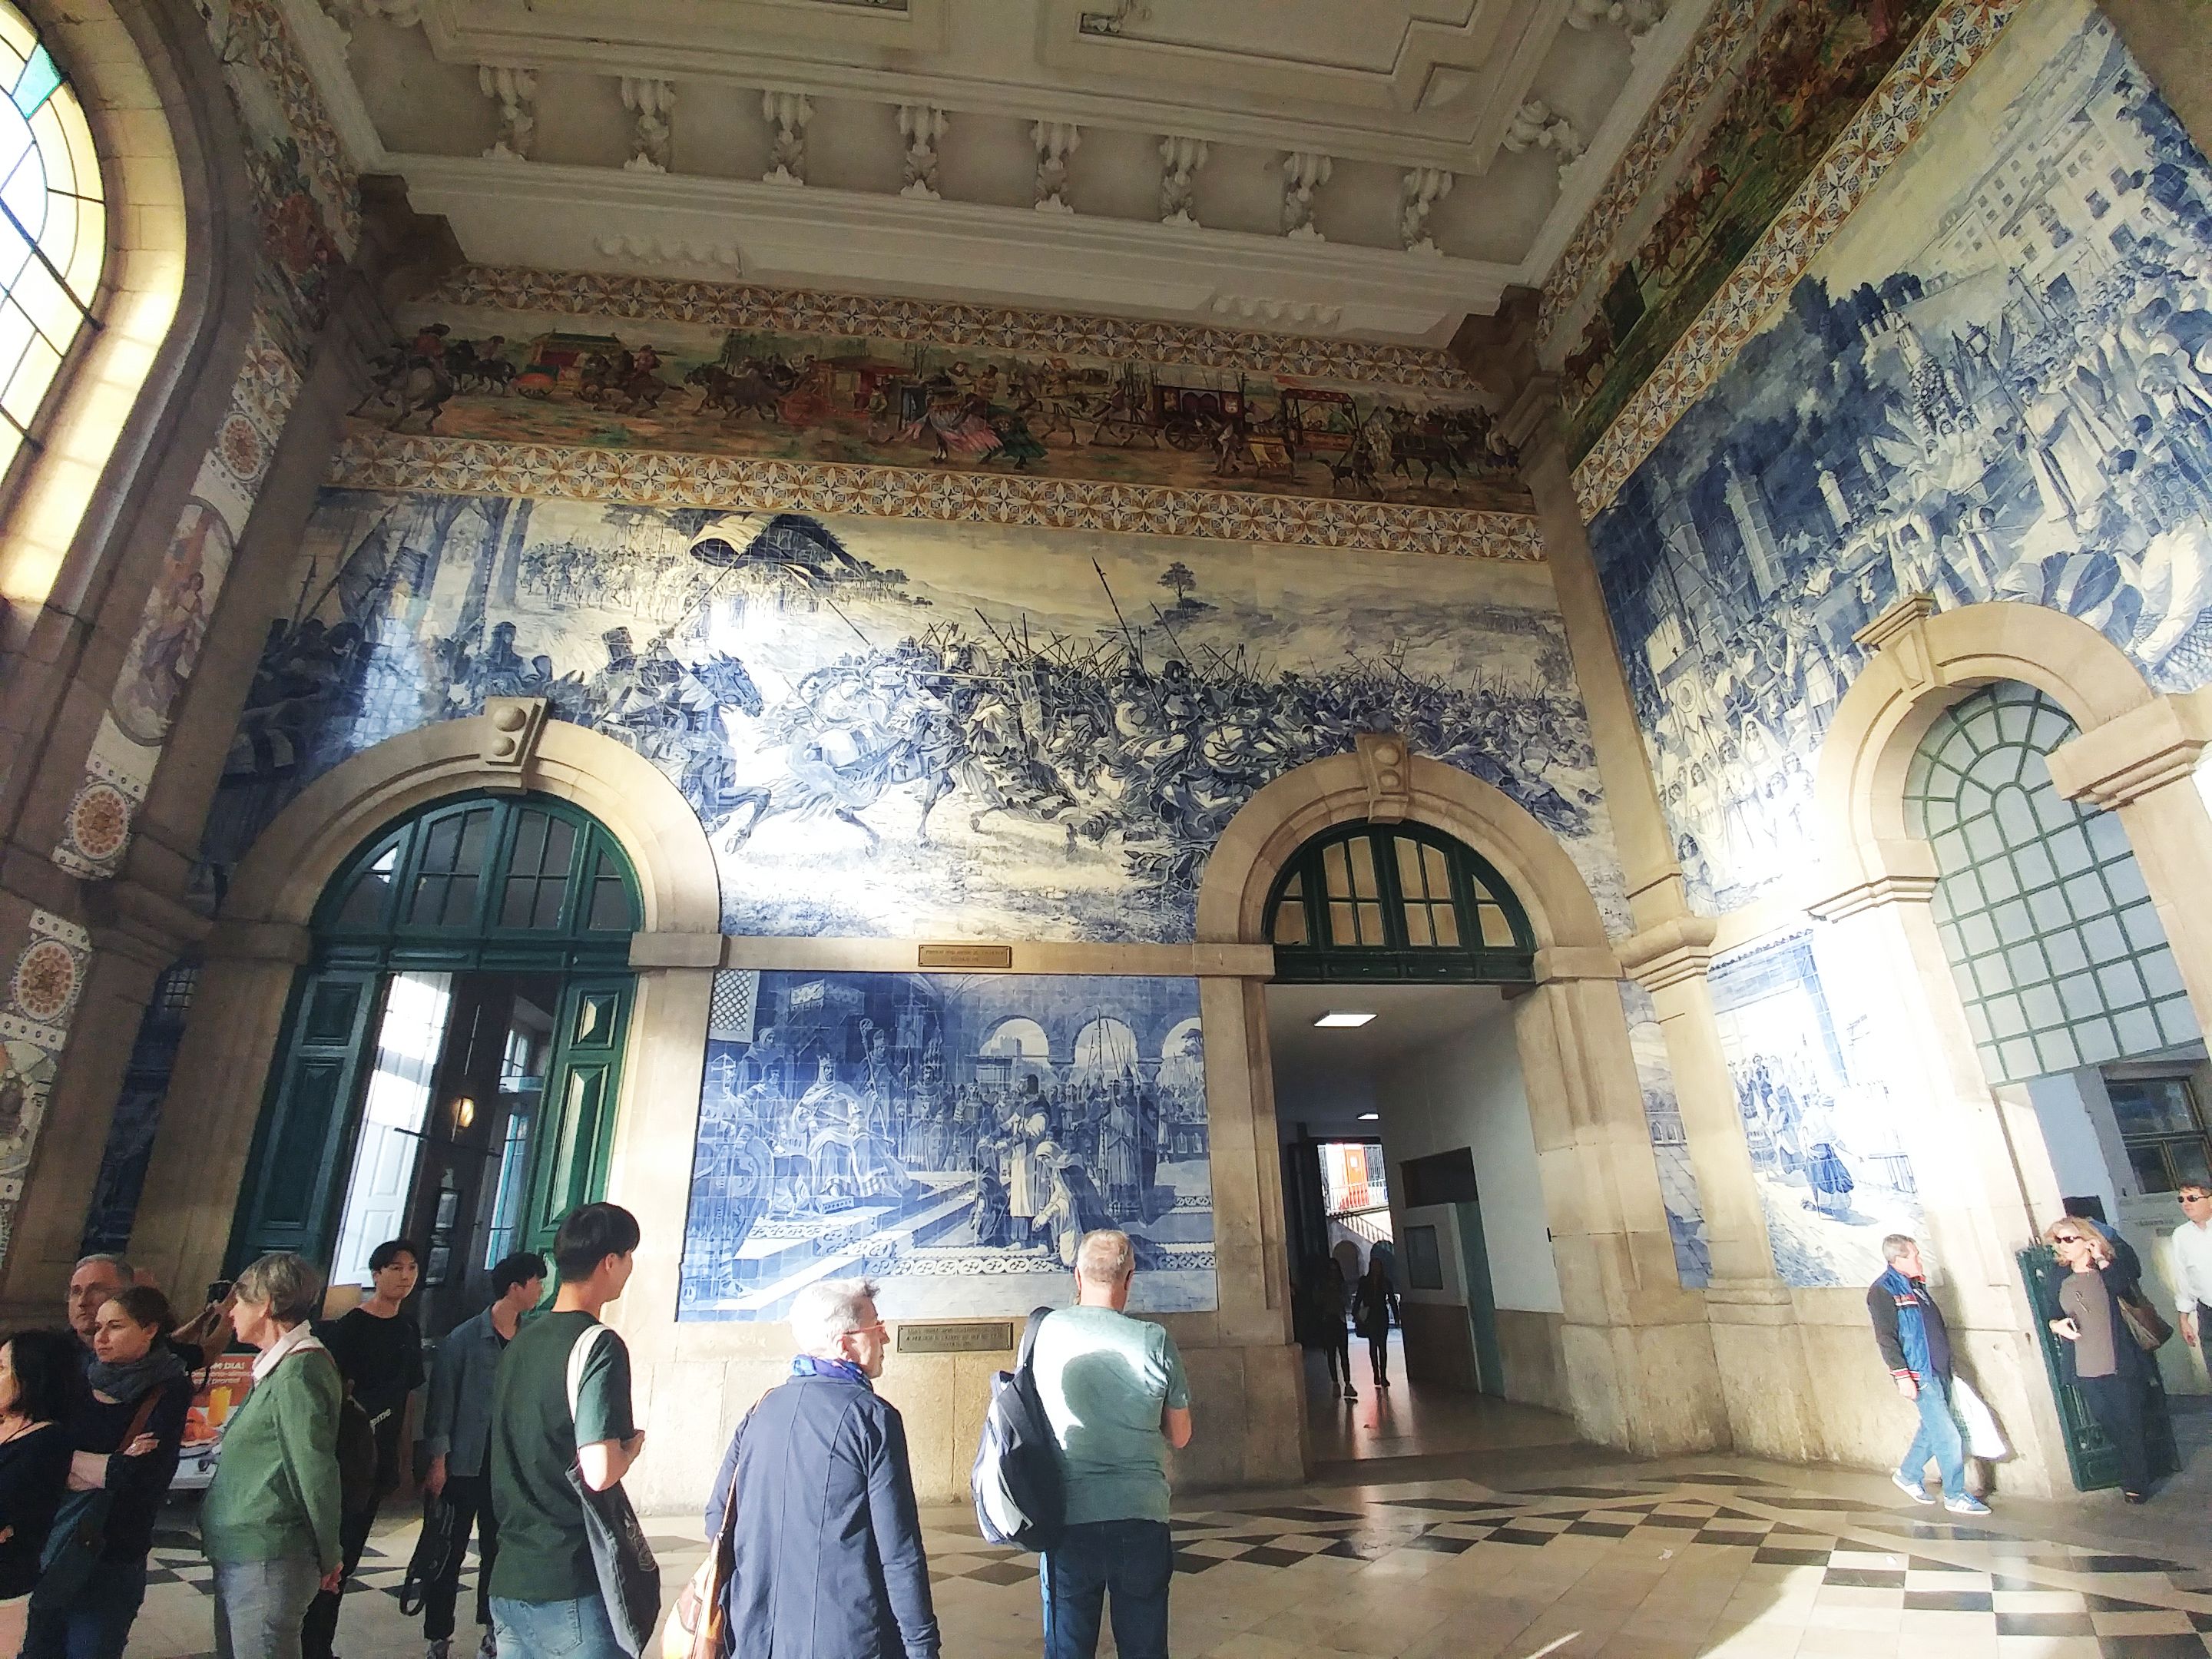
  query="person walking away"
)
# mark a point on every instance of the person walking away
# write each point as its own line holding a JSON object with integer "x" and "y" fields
{"x": 268, "y": 1521}
{"x": 457, "y": 1438}
{"x": 828, "y": 1561}
{"x": 2192, "y": 1261}
{"x": 378, "y": 1348}
{"x": 2109, "y": 1368}
{"x": 1374, "y": 1306}
{"x": 40, "y": 1384}
{"x": 1113, "y": 1389}
{"x": 125, "y": 1431}
{"x": 546, "y": 1600}
{"x": 1916, "y": 1345}
{"x": 1330, "y": 1309}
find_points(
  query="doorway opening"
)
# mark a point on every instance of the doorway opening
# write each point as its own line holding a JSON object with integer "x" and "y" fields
{"x": 450, "y": 1059}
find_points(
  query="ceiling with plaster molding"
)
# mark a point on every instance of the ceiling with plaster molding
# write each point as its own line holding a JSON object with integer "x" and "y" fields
{"x": 1379, "y": 170}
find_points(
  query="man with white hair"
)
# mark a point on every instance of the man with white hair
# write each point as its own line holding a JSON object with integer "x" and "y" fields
{"x": 1113, "y": 1390}
{"x": 826, "y": 1548}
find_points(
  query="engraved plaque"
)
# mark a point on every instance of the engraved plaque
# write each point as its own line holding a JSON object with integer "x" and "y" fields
{"x": 966, "y": 955}
{"x": 968, "y": 1337}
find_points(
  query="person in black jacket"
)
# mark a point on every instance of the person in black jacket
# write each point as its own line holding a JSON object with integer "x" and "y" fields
{"x": 126, "y": 1429}
{"x": 828, "y": 1544}
{"x": 40, "y": 1380}
{"x": 1916, "y": 1345}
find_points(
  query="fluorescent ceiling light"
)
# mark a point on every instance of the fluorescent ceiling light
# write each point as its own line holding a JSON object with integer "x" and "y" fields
{"x": 1370, "y": 1117}
{"x": 1333, "y": 1019}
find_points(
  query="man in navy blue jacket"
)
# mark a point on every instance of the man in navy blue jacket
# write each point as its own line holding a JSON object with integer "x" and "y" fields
{"x": 828, "y": 1562}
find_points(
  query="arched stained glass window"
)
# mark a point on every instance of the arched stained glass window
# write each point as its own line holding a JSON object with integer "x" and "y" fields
{"x": 2058, "y": 954}
{"x": 53, "y": 228}
{"x": 1370, "y": 901}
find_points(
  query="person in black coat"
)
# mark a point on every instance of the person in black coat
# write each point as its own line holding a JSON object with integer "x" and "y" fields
{"x": 827, "y": 1545}
{"x": 40, "y": 1381}
{"x": 126, "y": 1429}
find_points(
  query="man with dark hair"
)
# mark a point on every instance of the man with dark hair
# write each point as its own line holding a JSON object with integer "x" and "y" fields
{"x": 457, "y": 1438}
{"x": 545, "y": 1600}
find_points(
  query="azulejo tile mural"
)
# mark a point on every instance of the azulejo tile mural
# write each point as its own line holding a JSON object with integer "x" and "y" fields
{"x": 877, "y": 383}
{"x": 1995, "y": 383}
{"x": 951, "y": 1136}
{"x": 1815, "y": 63}
{"x": 913, "y": 729}
{"x": 1826, "y": 1127}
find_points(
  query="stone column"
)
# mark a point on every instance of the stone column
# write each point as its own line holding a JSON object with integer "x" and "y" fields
{"x": 2142, "y": 765}
{"x": 1981, "y": 1214}
{"x": 1638, "y": 1361}
{"x": 1763, "y": 1374}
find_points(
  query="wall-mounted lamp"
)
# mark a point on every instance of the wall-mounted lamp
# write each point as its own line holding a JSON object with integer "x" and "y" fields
{"x": 464, "y": 1112}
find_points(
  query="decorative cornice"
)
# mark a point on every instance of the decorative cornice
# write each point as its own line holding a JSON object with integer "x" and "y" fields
{"x": 1872, "y": 894}
{"x": 1665, "y": 955}
{"x": 2147, "y": 749}
{"x": 948, "y": 323}
{"x": 1713, "y": 50}
{"x": 1917, "y": 85}
{"x": 457, "y": 466}
{"x": 1556, "y": 962}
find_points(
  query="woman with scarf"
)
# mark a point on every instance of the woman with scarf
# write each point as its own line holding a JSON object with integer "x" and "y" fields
{"x": 125, "y": 1430}
{"x": 2110, "y": 1369}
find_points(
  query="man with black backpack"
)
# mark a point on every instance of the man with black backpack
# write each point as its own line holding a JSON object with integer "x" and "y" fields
{"x": 1113, "y": 1390}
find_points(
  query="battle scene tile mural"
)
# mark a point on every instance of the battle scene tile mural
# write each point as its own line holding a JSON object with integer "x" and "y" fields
{"x": 906, "y": 729}
{"x": 952, "y": 1136}
{"x": 1995, "y": 383}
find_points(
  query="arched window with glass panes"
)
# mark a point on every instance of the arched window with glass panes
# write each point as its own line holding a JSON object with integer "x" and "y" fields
{"x": 53, "y": 230}
{"x": 1396, "y": 901}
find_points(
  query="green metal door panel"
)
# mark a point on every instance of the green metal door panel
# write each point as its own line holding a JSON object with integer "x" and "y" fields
{"x": 582, "y": 1083}
{"x": 1481, "y": 1299}
{"x": 299, "y": 1166}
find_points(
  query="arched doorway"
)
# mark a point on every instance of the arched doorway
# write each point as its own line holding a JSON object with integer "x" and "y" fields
{"x": 1396, "y": 945}
{"x": 451, "y": 1054}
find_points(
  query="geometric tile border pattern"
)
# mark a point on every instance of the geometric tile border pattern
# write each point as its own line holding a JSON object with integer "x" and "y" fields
{"x": 875, "y": 317}
{"x": 462, "y": 466}
{"x": 1917, "y": 85}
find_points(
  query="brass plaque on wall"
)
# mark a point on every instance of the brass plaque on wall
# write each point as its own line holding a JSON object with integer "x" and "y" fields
{"x": 966, "y": 1338}
{"x": 966, "y": 955}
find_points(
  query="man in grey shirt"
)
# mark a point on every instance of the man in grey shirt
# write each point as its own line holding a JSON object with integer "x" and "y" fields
{"x": 1114, "y": 1389}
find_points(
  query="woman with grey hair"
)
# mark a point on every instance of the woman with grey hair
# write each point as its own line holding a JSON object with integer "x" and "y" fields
{"x": 270, "y": 1522}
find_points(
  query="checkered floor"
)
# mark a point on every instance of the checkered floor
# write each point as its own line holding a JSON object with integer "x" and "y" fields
{"x": 1694, "y": 1562}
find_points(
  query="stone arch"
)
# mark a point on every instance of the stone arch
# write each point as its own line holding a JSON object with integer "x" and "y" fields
{"x": 1232, "y": 896}
{"x": 1625, "y": 1315}
{"x": 262, "y": 935}
{"x": 279, "y": 880}
{"x": 1920, "y": 669}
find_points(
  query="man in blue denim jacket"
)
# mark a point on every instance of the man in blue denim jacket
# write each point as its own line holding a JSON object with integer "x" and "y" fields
{"x": 457, "y": 1436}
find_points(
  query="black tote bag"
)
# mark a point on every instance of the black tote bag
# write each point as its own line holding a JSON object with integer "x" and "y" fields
{"x": 629, "y": 1578}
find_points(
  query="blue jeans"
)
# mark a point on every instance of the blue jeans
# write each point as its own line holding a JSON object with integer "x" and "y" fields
{"x": 1133, "y": 1560}
{"x": 258, "y": 1606}
{"x": 94, "y": 1623}
{"x": 555, "y": 1630}
{"x": 1938, "y": 1438}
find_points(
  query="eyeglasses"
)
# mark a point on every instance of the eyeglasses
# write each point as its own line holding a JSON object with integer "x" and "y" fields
{"x": 2193, "y": 1198}
{"x": 2069, "y": 1238}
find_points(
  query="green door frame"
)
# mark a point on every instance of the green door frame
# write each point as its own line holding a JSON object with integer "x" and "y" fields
{"x": 467, "y": 884}
{"x": 1481, "y": 1299}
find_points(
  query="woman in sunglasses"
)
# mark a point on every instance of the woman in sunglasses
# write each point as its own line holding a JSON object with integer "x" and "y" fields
{"x": 2109, "y": 1368}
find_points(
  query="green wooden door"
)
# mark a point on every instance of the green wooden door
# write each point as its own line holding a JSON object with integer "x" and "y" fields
{"x": 302, "y": 1150}
{"x": 576, "y": 1134}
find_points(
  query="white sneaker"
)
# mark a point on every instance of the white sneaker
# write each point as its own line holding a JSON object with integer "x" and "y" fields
{"x": 1965, "y": 1506}
{"x": 488, "y": 1648}
{"x": 1917, "y": 1494}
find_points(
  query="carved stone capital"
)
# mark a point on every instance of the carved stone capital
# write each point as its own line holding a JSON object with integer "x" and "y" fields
{"x": 1555, "y": 963}
{"x": 1891, "y": 887}
{"x": 1899, "y": 633}
{"x": 2129, "y": 757}
{"x": 1384, "y": 766}
{"x": 1676, "y": 950}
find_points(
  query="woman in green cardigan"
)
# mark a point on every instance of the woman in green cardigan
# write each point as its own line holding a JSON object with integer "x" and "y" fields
{"x": 270, "y": 1522}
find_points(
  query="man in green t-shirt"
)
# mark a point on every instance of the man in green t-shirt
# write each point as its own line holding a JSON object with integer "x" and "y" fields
{"x": 1113, "y": 1390}
{"x": 545, "y": 1600}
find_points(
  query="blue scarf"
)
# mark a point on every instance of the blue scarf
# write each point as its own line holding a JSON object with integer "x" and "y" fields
{"x": 1911, "y": 1326}
{"x": 806, "y": 1365}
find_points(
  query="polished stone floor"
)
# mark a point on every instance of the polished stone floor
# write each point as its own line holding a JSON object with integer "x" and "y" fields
{"x": 1514, "y": 1542}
